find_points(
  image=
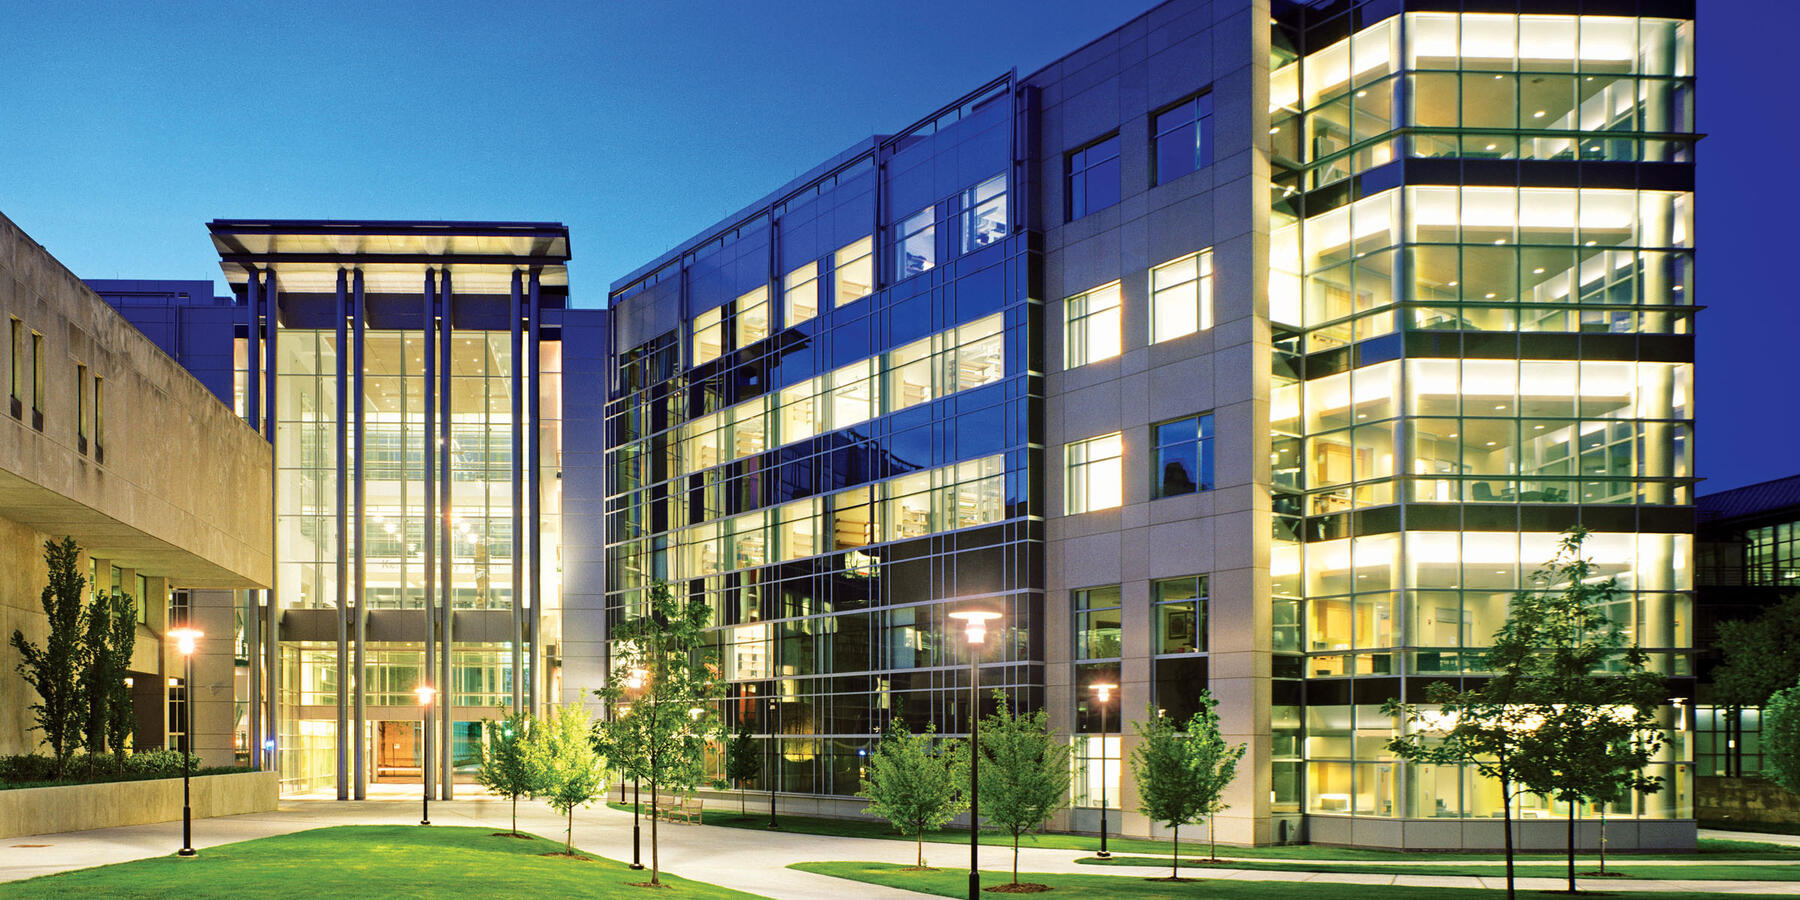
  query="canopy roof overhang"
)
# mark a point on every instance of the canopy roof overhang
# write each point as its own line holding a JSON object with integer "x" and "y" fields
{"x": 392, "y": 255}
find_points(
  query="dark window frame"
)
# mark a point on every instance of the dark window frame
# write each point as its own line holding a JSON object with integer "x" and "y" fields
{"x": 1077, "y": 166}
{"x": 1200, "y": 108}
{"x": 1201, "y": 441}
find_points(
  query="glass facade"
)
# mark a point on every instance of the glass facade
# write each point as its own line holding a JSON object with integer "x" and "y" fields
{"x": 1467, "y": 361}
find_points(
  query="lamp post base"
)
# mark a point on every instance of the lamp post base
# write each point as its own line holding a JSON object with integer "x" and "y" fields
{"x": 974, "y": 885}
{"x": 187, "y": 853}
{"x": 1103, "y": 855}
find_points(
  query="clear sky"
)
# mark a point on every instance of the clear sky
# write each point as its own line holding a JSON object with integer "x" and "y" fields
{"x": 125, "y": 127}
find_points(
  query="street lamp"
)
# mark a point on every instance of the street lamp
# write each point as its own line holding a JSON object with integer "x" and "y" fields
{"x": 426, "y": 694}
{"x": 975, "y": 629}
{"x": 1104, "y": 692}
{"x": 185, "y": 641}
{"x": 634, "y": 681}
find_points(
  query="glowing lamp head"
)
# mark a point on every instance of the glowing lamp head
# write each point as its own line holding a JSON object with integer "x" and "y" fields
{"x": 695, "y": 712}
{"x": 426, "y": 693}
{"x": 975, "y": 623}
{"x": 635, "y": 680}
{"x": 1103, "y": 691}
{"x": 186, "y": 639}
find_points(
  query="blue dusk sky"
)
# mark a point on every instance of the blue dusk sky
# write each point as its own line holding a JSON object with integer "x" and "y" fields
{"x": 124, "y": 128}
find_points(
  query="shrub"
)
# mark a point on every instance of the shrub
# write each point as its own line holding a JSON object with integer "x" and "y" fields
{"x": 26, "y": 767}
{"x": 158, "y": 764}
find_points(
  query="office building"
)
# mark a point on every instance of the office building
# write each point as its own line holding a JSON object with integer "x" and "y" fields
{"x": 1261, "y": 349}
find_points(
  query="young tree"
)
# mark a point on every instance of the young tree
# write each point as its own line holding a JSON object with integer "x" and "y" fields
{"x": 568, "y": 773}
{"x": 53, "y": 670}
{"x": 507, "y": 767}
{"x": 914, "y": 781}
{"x": 743, "y": 761}
{"x": 1593, "y": 698}
{"x": 1781, "y": 738}
{"x": 1024, "y": 772}
{"x": 96, "y": 663}
{"x": 1182, "y": 771}
{"x": 669, "y": 717}
{"x": 121, "y": 718}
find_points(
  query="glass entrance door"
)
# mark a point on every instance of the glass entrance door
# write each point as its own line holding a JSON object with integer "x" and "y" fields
{"x": 398, "y": 751}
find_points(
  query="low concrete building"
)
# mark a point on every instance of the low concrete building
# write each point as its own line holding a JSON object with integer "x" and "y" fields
{"x": 106, "y": 439}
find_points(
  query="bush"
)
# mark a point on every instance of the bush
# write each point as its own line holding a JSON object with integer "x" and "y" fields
{"x": 159, "y": 764}
{"x": 26, "y": 767}
{"x": 33, "y": 768}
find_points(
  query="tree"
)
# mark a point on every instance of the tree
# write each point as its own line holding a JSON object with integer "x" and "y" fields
{"x": 507, "y": 767}
{"x": 913, "y": 781}
{"x": 52, "y": 670}
{"x": 1761, "y": 656}
{"x": 1592, "y": 697}
{"x": 1024, "y": 772}
{"x": 567, "y": 771}
{"x": 1182, "y": 772}
{"x": 668, "y": 719}
{"x": 95, "y": 664}
{"x": 121, "y": 718}
{"x": 743, "y": 761}
{"x": 1781, "y": 738}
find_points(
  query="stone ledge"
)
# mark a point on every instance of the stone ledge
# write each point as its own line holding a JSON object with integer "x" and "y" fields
{"x": 83, "y": 807}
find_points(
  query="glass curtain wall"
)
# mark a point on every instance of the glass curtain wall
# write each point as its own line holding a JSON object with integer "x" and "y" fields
{"x": 1426, "y": 353}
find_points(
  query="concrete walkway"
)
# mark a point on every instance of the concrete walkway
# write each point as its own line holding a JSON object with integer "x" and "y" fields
{"x": 1789, "y": 840}
{"x": 745, "y": 859}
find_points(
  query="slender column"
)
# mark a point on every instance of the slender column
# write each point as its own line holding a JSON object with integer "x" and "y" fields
{"x": 446, "y": 693}
{"x": 534, "y": 685}
{"x": 432, "y": 513}
{"x": 361, "y": 736}
{"x": 258, "y": 732}
{"x": 518, "y": 494}
{"x": 343, "y": 587}
{"x": 265, "y": 421}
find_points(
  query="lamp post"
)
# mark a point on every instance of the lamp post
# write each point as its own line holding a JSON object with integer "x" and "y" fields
{"x": 426, "y": 694}
{"x": 975, "y": 629}
{"x": 1104, "y": 692}
{"x": 185, "y": 641}
{"x": 634, "y": 682}
{"x": 774, "y": 757}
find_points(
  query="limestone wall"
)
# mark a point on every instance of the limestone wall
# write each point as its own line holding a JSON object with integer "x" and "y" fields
{"x": 82, "y": 807}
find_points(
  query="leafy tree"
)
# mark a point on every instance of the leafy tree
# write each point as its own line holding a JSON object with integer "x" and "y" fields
{"x": 1592, "y": 696}
{"x": 1182, "y": 771}
{"x": 1781, "y": 738}
{"x": 95, "y": 662}
{"x": 507, "y": 767}
{"x": 567, "y": 771}
{"x": 913, "y": 781}
{"x": 669, "y": 718}
{"x": 52, "y": 670}
{"x": 1762, "y": 655}
{"x": 1024, "y": 772}
{"x": 121, "y": 718}
{"x": 743, "y": 761}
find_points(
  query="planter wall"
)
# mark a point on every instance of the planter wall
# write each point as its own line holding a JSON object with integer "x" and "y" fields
{"x": 81, "y": 807}
{"x": 1719, "y": 799}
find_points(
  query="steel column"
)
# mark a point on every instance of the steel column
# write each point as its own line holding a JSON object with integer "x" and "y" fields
{"x": 259, "y": 733}
{"x": 518, "y": 493}
{"x": 535, "y": 686}
{"x": 432, "y": 514}
{"x": 343, "y": 587}
{"x": 359, "y": 659}
{"x": 265, "y": 422}
{"x": 445, "y": 695}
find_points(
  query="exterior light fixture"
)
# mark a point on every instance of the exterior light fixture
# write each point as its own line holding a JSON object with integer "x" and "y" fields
{"x": 1102, "y": 694}
{"x": 426, "y": 694}
{"x": 186, "y": 641}
{"x": 975, "y": 629}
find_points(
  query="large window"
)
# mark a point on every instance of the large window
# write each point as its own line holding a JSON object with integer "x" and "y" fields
{"x": 1183, "y": 138}
{"x": 752, "y": 316}
{"x": 1181, "y": 297}
{"x": 1093, "y": 180}
{"x": 1183, "y": 459}
{"x": 1180, "y": 613}
{"x": 21, "y": 370}
{"x": 800, "y": 294}
{"x": 1091, "y": 328}
{"x": 853, "y": 271}
{"x": 984, "y": 213}
{"x": 1094, "y": 470}
{"x": 709, "y": 335}
{"x": 915, "y": 251}
{"x": 1098, "y": 623}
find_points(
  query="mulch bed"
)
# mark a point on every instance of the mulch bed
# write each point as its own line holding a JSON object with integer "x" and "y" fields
{"x": 1025, "y": 887}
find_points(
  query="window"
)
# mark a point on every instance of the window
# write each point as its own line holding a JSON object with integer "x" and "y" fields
{"x": 1182, "y": 138}
{"x": 21, "y": 372}
{"x": 99, "y": 414}
{"x": 916, "y": 250}
{"x": 709, "y": 335}
{"x": 1181, "y": 297}
{"x": 853, "y": 271}
{"x": 1098, "y": 623}
{"x": 1093, "y": 177}
{"x": 1095, "y": 473}
{"x": 752, "y": 315}
{"x": 984, "y": 213}
{"x": 81, "y": 408}
{"x": 143, "y": 601}
{"x": 37, "y": 373}
{"x": 800, "y": 294}
{"x": 1091, "y": 327}
{"x": 1180, "y": 613}
{"x": 1183, "y": 458}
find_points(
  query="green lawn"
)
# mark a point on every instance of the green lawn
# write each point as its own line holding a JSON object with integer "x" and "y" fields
{"x": 729, "y": 817}
{"x": 955, "y": 883}
{"x": 1537, "y": 868}
{"x": 367, "y": 861}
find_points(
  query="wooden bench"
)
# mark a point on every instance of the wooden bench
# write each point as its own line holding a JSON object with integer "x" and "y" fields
{"x": 689, "y": 810}
{"x": 665, "y": 807}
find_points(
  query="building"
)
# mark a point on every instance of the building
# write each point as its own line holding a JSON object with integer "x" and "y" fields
{"x": 409, "y": 377}
{"x": 1260, "y": 349}
{"x": 1747, "y": 549}
{"x": 98, "y": 430}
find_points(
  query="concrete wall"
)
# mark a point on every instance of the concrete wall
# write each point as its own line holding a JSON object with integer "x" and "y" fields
{"x": 1721, "y": 800}
{"x": 1489, "y": 834}
{"x": 584, "y": 371}
{"x": 83, "y": 807}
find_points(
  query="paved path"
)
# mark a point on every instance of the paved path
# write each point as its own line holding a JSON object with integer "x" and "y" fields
{"x": 749, "y": 860}
{"x": 1791, "y": 840}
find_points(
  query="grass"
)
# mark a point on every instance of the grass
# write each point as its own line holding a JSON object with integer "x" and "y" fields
{"x": 368, "y": 861}
{"x": 864, "y": 828}
{"x": 1538, "y": 869}
{"x": 955, "y": 883}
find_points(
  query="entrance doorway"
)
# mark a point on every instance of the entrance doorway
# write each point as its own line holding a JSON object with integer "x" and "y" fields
{"x": 398, "y": 751}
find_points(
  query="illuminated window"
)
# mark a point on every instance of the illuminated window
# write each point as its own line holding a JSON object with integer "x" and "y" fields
{"x": 916, "y": 250}
{"x": 1093, "y": 177}
{"x": 1179, "y": 608}
{"x": 909, "y": 511}
{"x": 800, "y": 294}
{"x": 853, "y": 271}
{"x": 1094, "y": 470}
{"x": 852, "y": 519}
{"x": 1181, "y": 297}
{"x": 1183, "y": 138}
{"x": 984, "y": 213}
{"x": 1098, "y": 621}
{"x": 1183, "y": 459}
{"x": 752, "y": 315}
{"x": 709, "y": 336}
{"x": 1091, "y": 327}
{"x": 909, "y": 375}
